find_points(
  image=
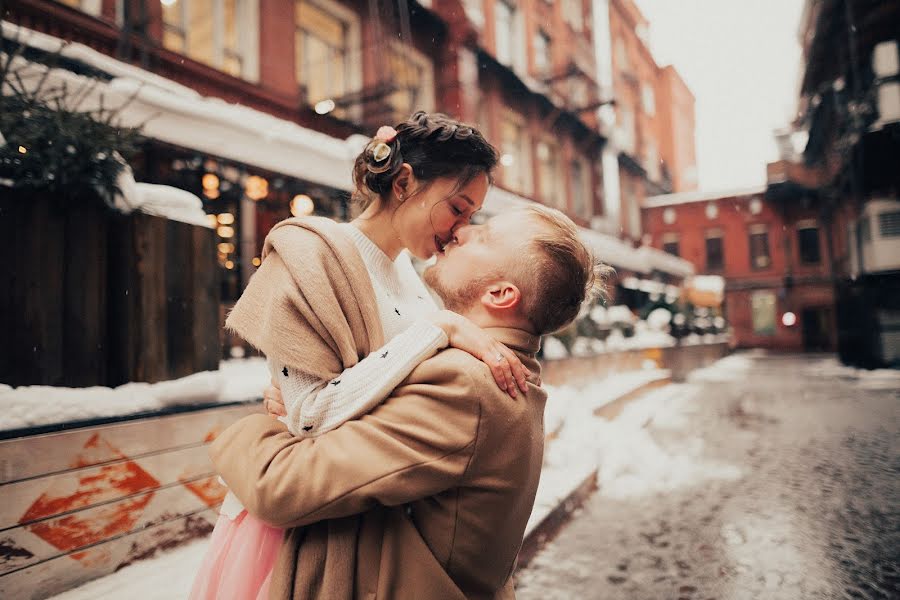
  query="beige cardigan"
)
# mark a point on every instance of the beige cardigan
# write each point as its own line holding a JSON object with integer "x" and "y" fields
{"x": 426, "y": 497}
{"x": 310, "y": 305}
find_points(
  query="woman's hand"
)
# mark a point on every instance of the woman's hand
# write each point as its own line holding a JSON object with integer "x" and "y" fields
{"x": 272, "y": 400}
{"x": 508, "y": 370}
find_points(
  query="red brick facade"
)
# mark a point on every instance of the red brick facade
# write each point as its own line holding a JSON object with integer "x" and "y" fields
{"x": 789, "y": 269}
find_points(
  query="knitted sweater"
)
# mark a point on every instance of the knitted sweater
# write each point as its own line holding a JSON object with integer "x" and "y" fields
{"x": 314, "y": 405}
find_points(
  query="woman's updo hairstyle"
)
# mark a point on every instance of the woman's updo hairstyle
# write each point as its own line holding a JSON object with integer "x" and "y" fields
{"x": 434, "y": 145}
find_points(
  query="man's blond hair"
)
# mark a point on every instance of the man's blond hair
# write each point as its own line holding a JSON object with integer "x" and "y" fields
{"x": 561, "y": 272}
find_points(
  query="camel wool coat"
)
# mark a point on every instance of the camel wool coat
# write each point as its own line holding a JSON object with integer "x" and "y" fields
{"x": 431, "y": 491}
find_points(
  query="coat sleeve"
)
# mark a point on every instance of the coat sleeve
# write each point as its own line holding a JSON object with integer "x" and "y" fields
{"x": 416, "y": 444}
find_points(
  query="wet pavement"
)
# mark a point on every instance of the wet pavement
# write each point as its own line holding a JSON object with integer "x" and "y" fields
{"x": 811, "y": 510}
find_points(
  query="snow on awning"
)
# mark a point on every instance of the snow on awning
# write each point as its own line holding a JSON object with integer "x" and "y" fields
{"x": 180, "y": 116}
{"x": 666, "y": 263}
{"x": 606, "y": 248}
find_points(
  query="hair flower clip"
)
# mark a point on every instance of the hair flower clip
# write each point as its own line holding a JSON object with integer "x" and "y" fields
{"x": 386, "y": 133}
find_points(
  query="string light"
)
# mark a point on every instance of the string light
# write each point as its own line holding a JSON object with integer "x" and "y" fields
{"x": 256, "y": 261}
{"x": 256, "y": 187}
{"x": 229, "y": 264}
{"x": 226, "y": 247}
{"x": 210, "y": 182}
{"x": 225, "y": 231}
{"x": 302, "y": 205}
{"x": 225, "y": 219}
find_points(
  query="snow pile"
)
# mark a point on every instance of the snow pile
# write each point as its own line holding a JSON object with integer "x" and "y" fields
{"x": 170, "y": 203}
{"x": 32, "y": 406}
{"x": 631, "y": 461}
{"x": 731, "y": 368}
{"x": 876, "y": 379}
{"x": 168, "y": 575}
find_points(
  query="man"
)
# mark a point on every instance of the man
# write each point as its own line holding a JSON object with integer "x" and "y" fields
{"x": 434, "y": 487}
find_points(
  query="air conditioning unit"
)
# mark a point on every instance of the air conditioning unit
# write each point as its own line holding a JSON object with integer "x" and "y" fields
{"x": 879, "y": 230}
{"x": 886, "y": 66}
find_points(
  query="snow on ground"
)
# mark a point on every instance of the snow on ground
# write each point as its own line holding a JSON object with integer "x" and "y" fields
{"x": 876, "y": 379}
{"x": 630, "y": 463}
{"x": 166, "y": 576}
{"x": 31, "y": 406}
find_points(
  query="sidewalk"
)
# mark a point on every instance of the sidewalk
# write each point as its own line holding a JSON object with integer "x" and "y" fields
{"x": 569, "y": 476}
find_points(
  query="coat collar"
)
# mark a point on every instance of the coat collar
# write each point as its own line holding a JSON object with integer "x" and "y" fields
{"x": 516, "y": 339}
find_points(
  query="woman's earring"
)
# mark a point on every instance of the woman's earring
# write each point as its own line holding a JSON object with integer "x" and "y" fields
{"x": 400, "y": 197}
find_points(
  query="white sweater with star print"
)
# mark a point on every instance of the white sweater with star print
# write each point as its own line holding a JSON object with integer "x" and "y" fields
{"x": 315, "y": 406}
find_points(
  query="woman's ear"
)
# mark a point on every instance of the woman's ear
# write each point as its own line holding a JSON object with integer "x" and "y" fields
{"x": 403, "y": 182}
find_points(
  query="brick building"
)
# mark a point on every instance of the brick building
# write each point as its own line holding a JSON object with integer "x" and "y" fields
{"x": 653, "y": 133}
{"x": 771, "y": 252}
{"x": 259, "y": 106}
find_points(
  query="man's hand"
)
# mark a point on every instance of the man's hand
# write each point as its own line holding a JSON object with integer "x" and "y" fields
{"x": 272, "y": 400}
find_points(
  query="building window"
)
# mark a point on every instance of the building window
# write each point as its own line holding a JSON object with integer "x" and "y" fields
{"x": 571, "y": 11}
{"x": 515, "y": 156}
{"x": 91, "y": 7}
{"x": 622, "y": 54}
{"x": 475, "y": 11}
{"x": 648, "y": 100}
{"x": 808, "y": 241}
{"x": 651, "y": 160}
{"x": 548, "y": 168}
{"x": 323, "y": 40}
{"x": 626, "y": 131}
{"x": 208, "y": 32}
{"x": 762, "y": 306}
{"x": 412, "y": 74}
{"x": 506, "y": 33}
{"x": 715, "y": 252}
{"x": 670, "y": 244}
{"x": 581, "y": 189}
{"x": 542, "y": 58}
{"x": 759, "y": 247}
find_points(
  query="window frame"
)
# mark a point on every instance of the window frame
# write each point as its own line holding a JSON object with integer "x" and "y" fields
{"x": 809, "y": 226}
{"x": 714, "y": 234}
{"x": 246, "y": 25}
{"x": 754, "y": 231}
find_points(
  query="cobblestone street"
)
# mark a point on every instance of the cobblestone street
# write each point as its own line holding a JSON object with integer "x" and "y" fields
{"x": 811, "y": 510}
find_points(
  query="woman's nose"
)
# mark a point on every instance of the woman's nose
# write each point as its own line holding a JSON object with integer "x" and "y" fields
{"x": 462, "y": 232}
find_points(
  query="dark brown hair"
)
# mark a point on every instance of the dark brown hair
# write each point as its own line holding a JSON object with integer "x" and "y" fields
{"x": 435, "y": 146}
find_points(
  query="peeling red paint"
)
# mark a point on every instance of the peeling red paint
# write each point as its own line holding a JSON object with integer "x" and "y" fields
{"x": 212, "y": 435}
{"x": 96, "y": 450}
{"x": 106, "y": 483}
{"x": 210, "y": 491}
{"x": 76, "y": 531}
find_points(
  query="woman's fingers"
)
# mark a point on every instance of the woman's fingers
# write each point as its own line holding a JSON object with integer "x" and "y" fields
{"x": 273, "y": 402}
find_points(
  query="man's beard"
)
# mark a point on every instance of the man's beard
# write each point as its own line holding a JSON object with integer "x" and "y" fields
{"x": 458, "y": 299}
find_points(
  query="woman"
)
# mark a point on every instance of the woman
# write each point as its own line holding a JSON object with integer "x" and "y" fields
{"x": 343, "y": 317}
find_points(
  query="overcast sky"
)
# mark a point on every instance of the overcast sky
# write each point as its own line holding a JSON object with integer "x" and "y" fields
{"x": 741, "y": 60}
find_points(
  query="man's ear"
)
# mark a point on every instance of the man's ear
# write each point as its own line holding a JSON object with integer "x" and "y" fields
{"x": 503, "y": 295}
{"x": 403, "y": 182}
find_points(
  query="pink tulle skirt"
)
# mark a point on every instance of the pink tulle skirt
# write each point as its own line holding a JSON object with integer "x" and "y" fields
{"x": 238, "y": 564}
